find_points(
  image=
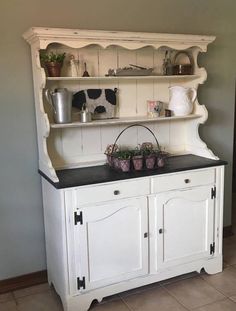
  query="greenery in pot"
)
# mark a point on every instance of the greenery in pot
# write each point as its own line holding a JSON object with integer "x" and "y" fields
{"x": 161, "y": 158}
{"x": 137, "y": 152}
{"x": 109, "y": 152}
{"x": 148, "y": 152}
{"x": 124, "y": 157}
{"x": 53, "y": 63}
{"x": 137, "y": 158}
{"x": 52, "y": 57}
{"x": 121, "y": 160}
{"x": 149, "y": 155}
{"x": 124, "y": 154}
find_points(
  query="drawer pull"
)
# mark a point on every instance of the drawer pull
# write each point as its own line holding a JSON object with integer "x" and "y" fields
{"x": 160, "y": 231}
{"x": 116, "y": 192}
{"x": 187, "y": 181}
{"x": 145, "y": 235}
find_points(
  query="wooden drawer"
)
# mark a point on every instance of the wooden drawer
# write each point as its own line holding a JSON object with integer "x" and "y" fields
{"x": 113, "y": 191}
{"x": 182, "y": 180}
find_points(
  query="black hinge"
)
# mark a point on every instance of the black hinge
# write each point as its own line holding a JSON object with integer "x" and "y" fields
{"x": 78, "y": 218}
{"x": 212, "y": 248}
{"x": 81, "y": 283}
{"x": 213, "y": 192}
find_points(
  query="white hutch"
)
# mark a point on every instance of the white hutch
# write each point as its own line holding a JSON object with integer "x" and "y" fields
{"x": 106, "y": 231}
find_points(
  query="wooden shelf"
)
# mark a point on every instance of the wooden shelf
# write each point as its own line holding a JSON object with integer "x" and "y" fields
{"x": 176, "y": 77}
{"x": 127, "y": 120}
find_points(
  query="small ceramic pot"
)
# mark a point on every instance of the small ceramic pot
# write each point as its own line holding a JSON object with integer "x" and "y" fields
{"x": 116, "y": 163}
{"x": 137, "y": 162}
{"x": 53, "y": 69}
{"x": 124, "y": 165}
{"x": 109, "y": 159}
{"x": 162, "y": 158}
{"x": 160, "y": 162}
{"x": 150, "y": 161}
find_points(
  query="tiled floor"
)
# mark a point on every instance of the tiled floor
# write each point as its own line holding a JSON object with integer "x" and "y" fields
{"x": 190, "y": 292}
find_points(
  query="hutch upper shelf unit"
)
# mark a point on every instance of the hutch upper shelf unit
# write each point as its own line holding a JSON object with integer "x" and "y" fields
{"x": 73, "y": 145}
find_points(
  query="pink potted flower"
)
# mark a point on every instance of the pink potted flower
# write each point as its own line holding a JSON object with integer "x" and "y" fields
{"x": 150, "y": 160}
{"x": 149, "y": 155}
{"x": 137, "y": 159}
{"x": 161, "y": 158}
{"x": 124, "y": 160}
{"x": 109, "y": 152}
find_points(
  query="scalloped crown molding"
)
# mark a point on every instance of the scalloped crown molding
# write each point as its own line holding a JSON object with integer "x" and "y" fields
{"x": 79, "y": 37}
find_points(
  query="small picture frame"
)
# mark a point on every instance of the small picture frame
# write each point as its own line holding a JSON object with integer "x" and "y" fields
{"x": 154, "y": 108}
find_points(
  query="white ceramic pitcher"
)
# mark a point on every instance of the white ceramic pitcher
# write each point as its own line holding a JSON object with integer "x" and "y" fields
{"x": 181, "y": 100}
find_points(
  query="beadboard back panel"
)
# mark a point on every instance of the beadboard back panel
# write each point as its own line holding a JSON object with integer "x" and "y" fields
{"x": 86, "y": 146}
{"x": 132, "y": 94}
{"x": 75, "y": 144}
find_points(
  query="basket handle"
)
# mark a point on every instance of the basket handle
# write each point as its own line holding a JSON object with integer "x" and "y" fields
{"x": 132, "y": 125}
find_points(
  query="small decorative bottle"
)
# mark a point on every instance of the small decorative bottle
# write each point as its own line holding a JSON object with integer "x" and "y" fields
{"x": 167, "y": 65}
{"x": 74, "y": 66}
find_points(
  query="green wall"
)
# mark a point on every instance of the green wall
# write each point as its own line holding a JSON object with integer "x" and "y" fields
{"x": 22, "y": 248}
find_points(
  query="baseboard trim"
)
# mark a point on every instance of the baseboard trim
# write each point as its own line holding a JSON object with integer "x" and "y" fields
{"x": 228, "y": 231}
{"x": 23, "y": 281}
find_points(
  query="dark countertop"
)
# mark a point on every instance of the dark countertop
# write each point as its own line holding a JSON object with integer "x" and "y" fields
{"x": 100, "y": 174}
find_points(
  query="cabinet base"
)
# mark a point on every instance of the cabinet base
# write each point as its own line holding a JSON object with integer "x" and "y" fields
{"x": 82, "y": 302}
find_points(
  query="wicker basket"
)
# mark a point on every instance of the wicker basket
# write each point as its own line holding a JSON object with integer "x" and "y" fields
{"x": 154, "y": 160}
{"x": 182, "y": 69}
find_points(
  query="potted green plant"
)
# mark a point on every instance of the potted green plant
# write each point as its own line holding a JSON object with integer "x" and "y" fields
{"x": 109, "y": 152}
{"x": 137, "y": 159}
{"x": 115, "y": 159}
{"x": 149, "y": 155}
{"x": 124, "y": 157}
{"x": 161, "y": 158}
{"x": 53, "y": 63}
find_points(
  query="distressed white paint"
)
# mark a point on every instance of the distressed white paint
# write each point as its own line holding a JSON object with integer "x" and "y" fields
{"x": 144, "y": 205}
{"x": 140, "y": 256}
{"x": 102, "y": 50}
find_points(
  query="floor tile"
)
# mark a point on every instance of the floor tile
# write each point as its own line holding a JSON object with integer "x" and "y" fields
{"x": 31, "y": 290}
{"x": 8, "y": 306}
{"x": 44, "y": 301}
{"x": 229, "y": 251}
{"x": 194, "y": 292}
{"x": 225, "y": 265}
{"x": 116, "y": 305}
{"x": 223, "y": 305}
{"x": 229, "y": 240}
{"x": 233, "y": 298}
{"x": 225, "y": 282}
{"x": 153, "y": 299}
{"x": 6, "y": 297}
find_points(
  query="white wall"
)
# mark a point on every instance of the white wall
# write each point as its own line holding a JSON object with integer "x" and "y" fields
{"x": 22, "y": 248}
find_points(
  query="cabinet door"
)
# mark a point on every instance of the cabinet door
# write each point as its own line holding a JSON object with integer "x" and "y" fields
{"x": 184, "y": 226}
{"x": 112, "y": 244}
